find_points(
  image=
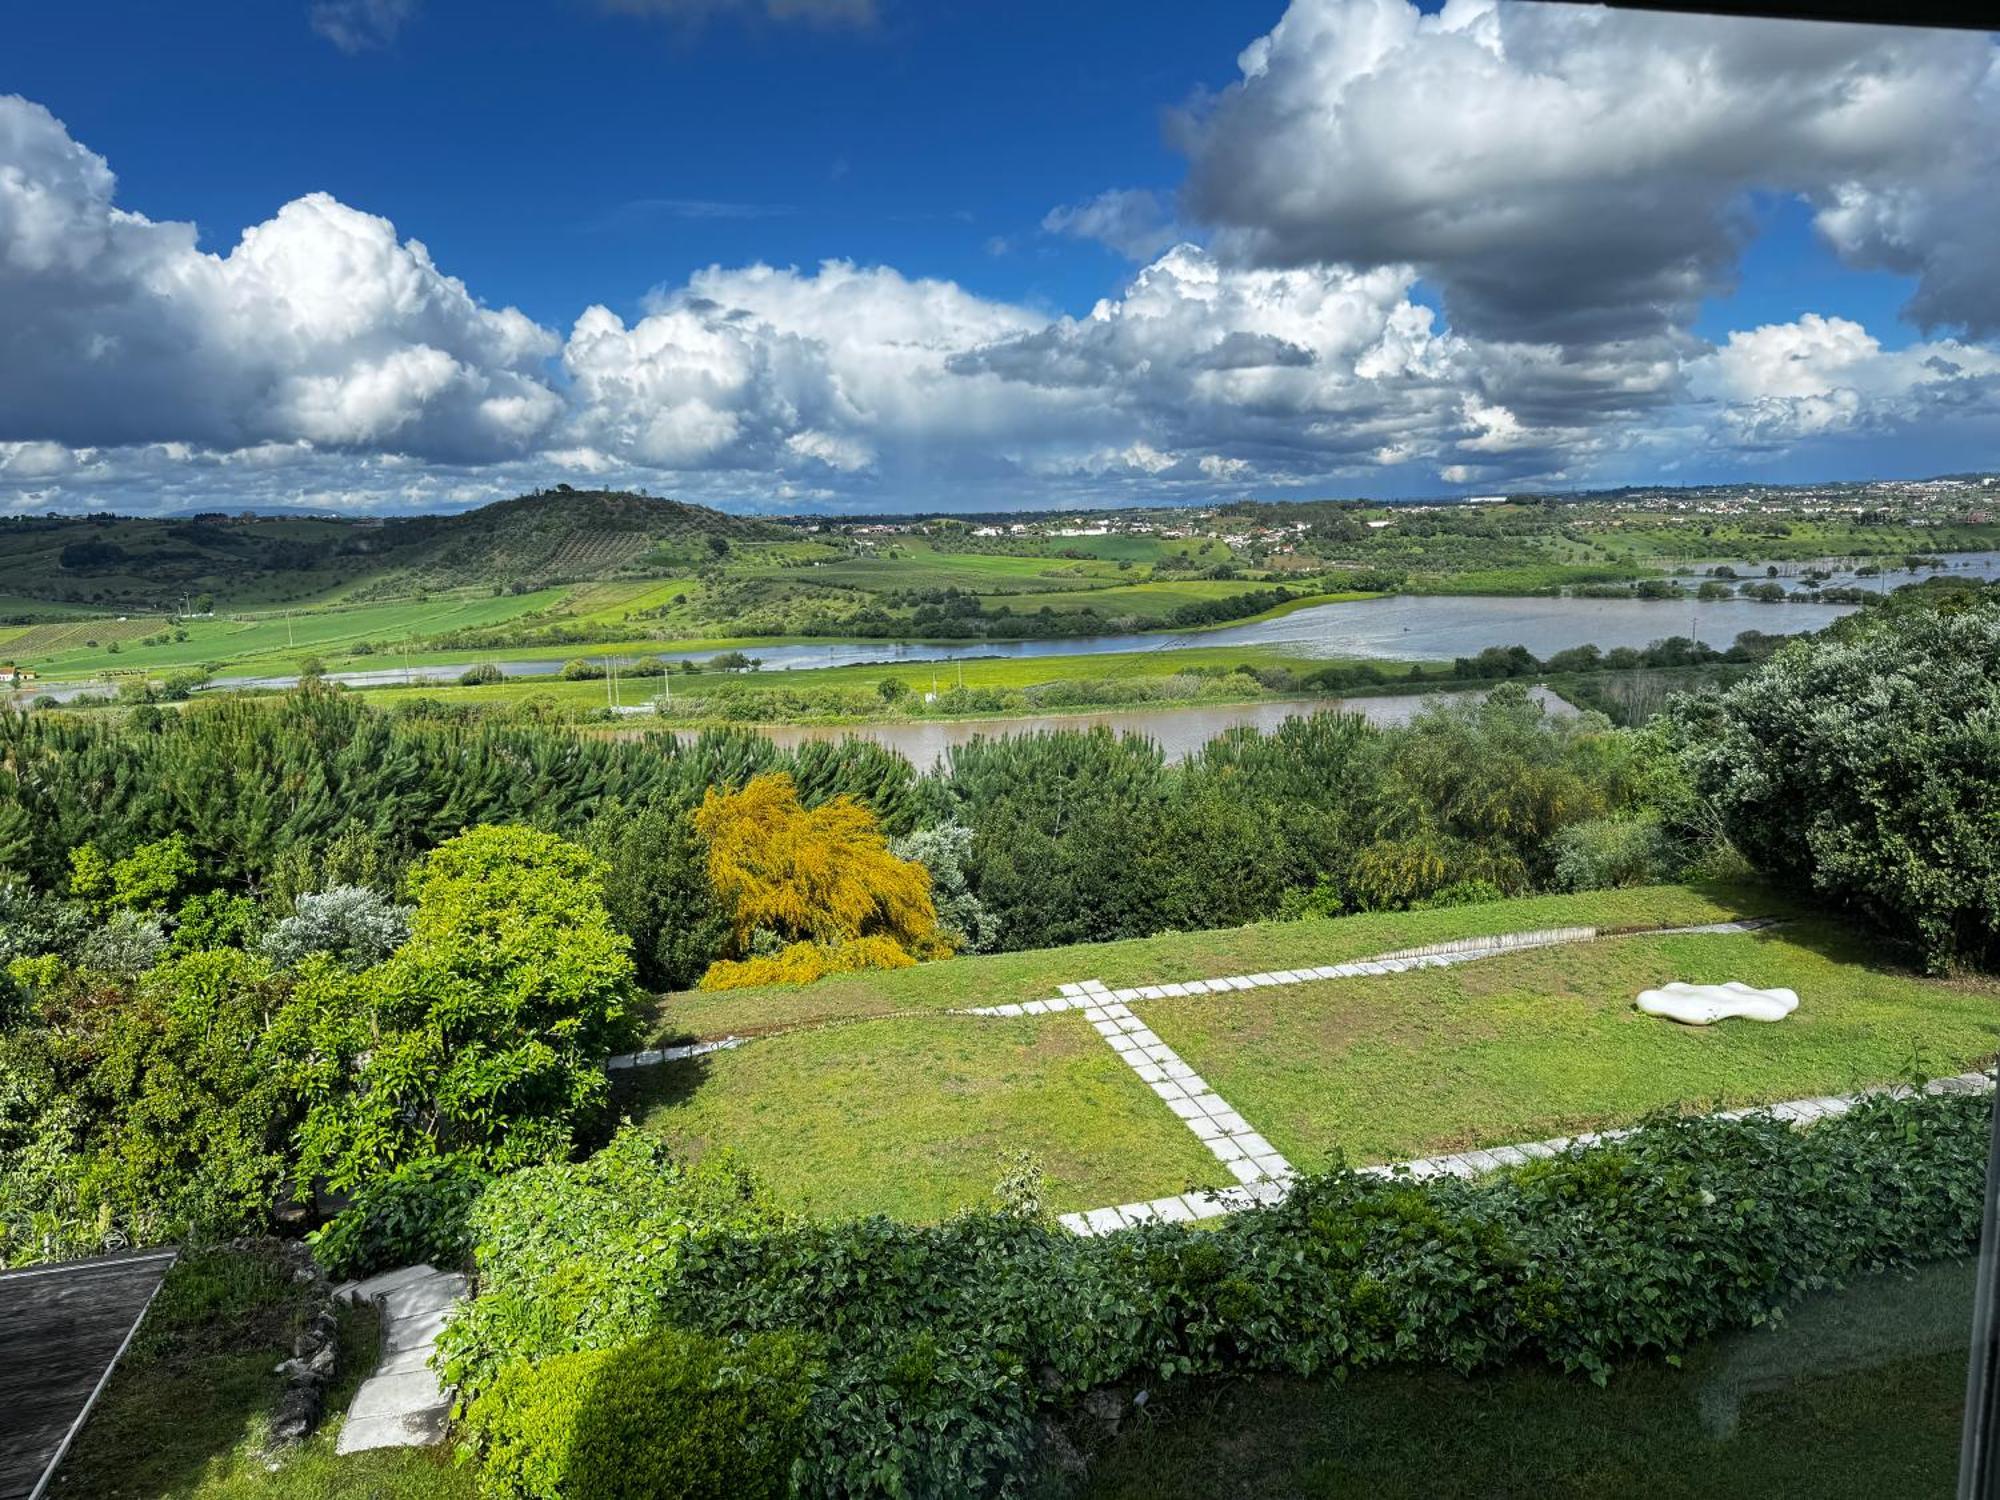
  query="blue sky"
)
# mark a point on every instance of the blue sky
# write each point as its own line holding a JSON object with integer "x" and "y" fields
{"x": 551, "y": 154}
{"x": 1079, "y": 253}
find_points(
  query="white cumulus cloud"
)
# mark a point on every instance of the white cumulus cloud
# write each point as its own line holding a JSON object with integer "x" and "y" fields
{"x": 320, "y": 324}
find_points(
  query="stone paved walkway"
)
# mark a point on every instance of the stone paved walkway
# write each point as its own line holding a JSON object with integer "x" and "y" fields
{"x": 1251, "y": 1160}
{"x": 402, "y": 1405}
{"x": 1434, "y": 956}
{"x": 1800, "y": 1112}
{"x": 670, "y": 1054}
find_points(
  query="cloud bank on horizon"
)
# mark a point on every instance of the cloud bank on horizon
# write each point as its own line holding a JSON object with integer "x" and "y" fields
{"x": 1411, "y": 253}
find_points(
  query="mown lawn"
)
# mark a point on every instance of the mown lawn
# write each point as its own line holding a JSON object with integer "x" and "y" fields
{"x": 917, "y": 1117}
{"x": 1546, "y": 1042}
{"x": 1856, "y": 1396}
{"x": 857, "y": 1095}
{"x": 1035, "y": 973}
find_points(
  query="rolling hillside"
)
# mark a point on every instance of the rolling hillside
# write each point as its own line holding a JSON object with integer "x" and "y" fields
{"x": 160, "y": 564}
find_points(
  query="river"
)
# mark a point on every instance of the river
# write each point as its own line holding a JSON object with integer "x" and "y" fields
{"x": 1179, "y": 732}
{"x": 1404, "y": 627}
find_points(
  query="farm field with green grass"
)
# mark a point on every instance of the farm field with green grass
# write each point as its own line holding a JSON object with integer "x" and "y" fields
{"x": 264, "y": 642}
{"x": 1002, "y": 673}
{"x": 863, "y": 1094}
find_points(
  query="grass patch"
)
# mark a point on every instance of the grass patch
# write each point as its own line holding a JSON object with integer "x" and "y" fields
{"x": 861, "y": 1098}
{"x": 1546, "y": 1042}
{"x": 268, "y": 643}
{"x": 1858, "y": 1394}
{"x": 184, "y": 1417}
{"x": 1000, "y": 978}
{"x": 913, "y": 1117}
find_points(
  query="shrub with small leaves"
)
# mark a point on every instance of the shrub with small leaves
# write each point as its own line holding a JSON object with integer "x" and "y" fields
{"x": 354, "y": 924}
{"x": 670, "y": 1414}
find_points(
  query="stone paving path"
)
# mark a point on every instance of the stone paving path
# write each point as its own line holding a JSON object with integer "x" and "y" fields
{"x": 402, "y": 1405}
{"x": 1434, "y": 956}
{"x": 1800, "y": 1112}
{"x": 1253, "y": 1161}
{"x": 671, "y": 1054}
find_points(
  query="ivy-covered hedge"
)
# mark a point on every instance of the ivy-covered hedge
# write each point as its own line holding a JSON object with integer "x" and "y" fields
{"x": 670, "y": 1414}
{"x": 939, "y": 1346}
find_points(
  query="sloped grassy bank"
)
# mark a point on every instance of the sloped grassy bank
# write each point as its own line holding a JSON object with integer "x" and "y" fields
{"x": 647, "y": 1327}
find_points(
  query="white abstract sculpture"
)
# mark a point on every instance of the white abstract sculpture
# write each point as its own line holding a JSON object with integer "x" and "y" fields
{"x": 1701, "y": 1004}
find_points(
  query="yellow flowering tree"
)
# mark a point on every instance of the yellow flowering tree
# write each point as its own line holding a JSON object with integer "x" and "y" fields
{"x": 820, "y": 881}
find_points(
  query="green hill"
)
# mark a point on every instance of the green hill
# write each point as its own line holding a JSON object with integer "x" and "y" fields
{"x": 160, "y": 564}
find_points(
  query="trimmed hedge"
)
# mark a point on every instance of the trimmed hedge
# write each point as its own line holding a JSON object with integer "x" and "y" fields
{"x": 670, "y": 1414}
{"x": 942, "y": 1344}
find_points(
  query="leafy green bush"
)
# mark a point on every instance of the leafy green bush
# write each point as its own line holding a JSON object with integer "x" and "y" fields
{"x": 186, "y": 1119}
{"x": 484, "y": 1035}
{"x": 415, "y": 1214}
{"x": 216, "y": 919}
{"x": 1870, "y": 769}
{"x": 570, "y": 1255}
{"x": 354, "y": 924}
{"x": 940, "y": 1344}
{"x": 670, "y": 1414}
{"x": 1608, "y": 852}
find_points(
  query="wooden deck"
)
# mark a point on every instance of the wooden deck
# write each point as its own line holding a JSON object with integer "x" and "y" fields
{"x": 62, "y": 1328}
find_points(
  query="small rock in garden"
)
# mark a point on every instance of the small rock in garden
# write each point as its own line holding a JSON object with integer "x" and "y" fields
{"x": 1059, "y": 1453}
{"x": 297, "y": 1414}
